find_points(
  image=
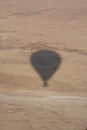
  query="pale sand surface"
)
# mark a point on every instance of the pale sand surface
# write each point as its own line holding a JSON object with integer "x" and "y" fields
{"x": 28, "y": 26}
{"x": 28, "y": 113}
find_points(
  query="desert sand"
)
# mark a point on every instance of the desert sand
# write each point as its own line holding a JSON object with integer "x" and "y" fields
{"x": 43, "y": 41}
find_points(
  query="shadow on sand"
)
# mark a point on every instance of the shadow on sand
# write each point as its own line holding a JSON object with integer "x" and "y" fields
{"x": 46, "y": 63}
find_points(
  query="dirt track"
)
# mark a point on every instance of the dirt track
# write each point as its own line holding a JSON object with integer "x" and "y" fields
{"x": 22, "y": 113}
{"x": 26, "y": 27}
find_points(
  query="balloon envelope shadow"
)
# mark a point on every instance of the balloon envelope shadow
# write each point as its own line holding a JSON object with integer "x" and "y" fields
{"x": 46, "y": 63}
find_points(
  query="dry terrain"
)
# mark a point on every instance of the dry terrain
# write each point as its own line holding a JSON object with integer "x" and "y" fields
{"x": 43, "y": 64}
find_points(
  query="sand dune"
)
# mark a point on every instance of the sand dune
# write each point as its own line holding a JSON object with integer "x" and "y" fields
{"x": 58, "y": 28}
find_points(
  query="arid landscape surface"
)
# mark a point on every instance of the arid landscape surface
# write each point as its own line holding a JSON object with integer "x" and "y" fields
{"x": 54, "y": 31}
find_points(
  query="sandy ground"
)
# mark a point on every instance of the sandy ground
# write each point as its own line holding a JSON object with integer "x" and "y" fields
{"x": 28, "y": 113}
{"x": 27, "y": 27}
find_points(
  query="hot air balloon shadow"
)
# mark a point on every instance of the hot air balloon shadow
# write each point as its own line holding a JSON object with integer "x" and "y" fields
{"x": 46, "y": 63}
